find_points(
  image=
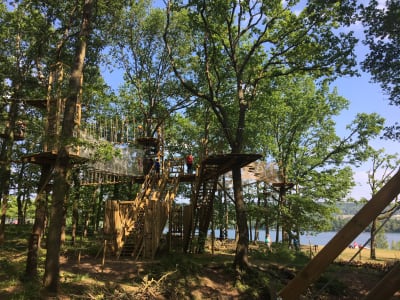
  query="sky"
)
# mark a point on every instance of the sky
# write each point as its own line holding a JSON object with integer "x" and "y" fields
{"x": 364, "y": 97}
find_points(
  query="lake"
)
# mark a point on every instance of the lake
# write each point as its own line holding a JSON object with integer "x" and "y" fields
{"x": 323, "y": 238}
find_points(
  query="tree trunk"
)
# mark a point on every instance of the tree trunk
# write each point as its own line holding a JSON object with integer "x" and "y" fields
{"x": 5, "y": 159}
{"x": 373, "y": 242}
{"x": 257, "y": 223}
{"x": 75, "y": 218}
{"x": 241, "y": 255}
{"x": 62, "y": 167}
{"x": 52, "y": 267}
{"x": 20, "y": 194}
{"x": 266, "y": 206}
{"x": 250, "y": 220}
{"x": 100, "y": 210}
{"x": 38, "y": 226}
{"x": 226, "y": 212}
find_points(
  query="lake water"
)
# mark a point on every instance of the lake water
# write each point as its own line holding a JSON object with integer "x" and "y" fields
{"x": 323, "y": 238}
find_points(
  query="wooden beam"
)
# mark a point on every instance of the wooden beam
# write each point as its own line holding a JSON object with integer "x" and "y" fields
{"x": 342, "y": 239}
{"x": 388, "y": 286}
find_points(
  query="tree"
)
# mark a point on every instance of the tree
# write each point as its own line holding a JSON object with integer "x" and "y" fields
{"x": 299, "y": 135}
{"x": 382, "y": 169}
{"x": 20, "y": 76}
{"x": 235, "y": 45}
{"x": 62, "y": 166}
{"x": 150, "y": 94}
{"x": 382, "y": 36}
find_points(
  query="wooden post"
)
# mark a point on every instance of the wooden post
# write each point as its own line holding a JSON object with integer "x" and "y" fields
{"x": 342, "y": 239}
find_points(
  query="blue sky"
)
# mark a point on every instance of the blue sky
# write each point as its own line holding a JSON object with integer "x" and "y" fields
{"x": 367, "y": 97}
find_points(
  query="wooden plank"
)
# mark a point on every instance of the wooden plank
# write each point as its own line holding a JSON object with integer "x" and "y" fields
{"x": 388, "y": 286}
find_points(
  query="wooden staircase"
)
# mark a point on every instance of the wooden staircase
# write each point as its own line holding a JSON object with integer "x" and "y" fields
{"x": 204, "y": 189}
{"x": 203, "y": 202}
{"x": 134, "y": 228}
{"x": 149, "y": 214}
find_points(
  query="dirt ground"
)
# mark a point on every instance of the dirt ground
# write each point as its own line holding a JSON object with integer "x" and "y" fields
{"x": 189, "y": 276}
{"x": 212, "y": 282}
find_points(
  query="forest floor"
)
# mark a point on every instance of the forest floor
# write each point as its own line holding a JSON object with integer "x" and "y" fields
{"x": 211, "y": 276}
{"x": 194, "y": 276}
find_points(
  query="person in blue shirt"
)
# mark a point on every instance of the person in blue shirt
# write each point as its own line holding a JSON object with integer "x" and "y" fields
{"x": 157, "y": 167}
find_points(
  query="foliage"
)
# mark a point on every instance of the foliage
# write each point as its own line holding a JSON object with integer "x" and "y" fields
{"x": 299, "y": 135}
{"x": 383, "y": 167}
{"x": 150, "y": 94}
{"x": 382, "y": 36}
{"x": 380, "y": 240}
{"x": 237, "y": 48}
{"x": 12, "y": 265}
{"x": 392, "y": 225}
{"x": 395, "y": 246}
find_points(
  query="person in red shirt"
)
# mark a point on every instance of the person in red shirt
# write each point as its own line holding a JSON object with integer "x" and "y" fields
{"x": 189, "y": 163}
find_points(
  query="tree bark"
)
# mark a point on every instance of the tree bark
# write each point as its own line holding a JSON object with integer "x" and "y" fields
{"x": 241, "y": 256}
{"x": 38, "y": 226}
{"x": 5, "y": 160}
{"x": 63, "y": 166}
{"x": 373, "y": 242}
{"x": 20, "y": 196}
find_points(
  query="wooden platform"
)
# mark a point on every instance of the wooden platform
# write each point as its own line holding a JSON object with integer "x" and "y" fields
{"x": 147, "y": 141}
{"x": 213, "y": 167}
{"x": 216, "y": 165}
{"x": 49, "y": 158}
{"x": 38, "y": 103}
{"x": 17, "y": 137}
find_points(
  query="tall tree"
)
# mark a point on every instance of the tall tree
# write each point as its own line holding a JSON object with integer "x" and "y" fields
{"x": 382, "y": 36}
{"x": 300, "y": 137}
{"x": 150, "y": 94}
{"x": 62, "y": 167}
{"x": 382, "y": 169}
{"x": 19, "y": 59}
{"x": 235, "y": 45}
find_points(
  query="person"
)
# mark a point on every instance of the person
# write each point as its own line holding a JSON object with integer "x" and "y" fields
{"x": 20, "y": 129}
{"x": 268, "y": 241}
{"x": 296, "y": 244}
{"x": 189, "y": 163}
{"x": 157, "y": 167}
{"x": 140, "y": 131}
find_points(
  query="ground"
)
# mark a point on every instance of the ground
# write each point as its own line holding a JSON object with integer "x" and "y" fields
{"x": 215, "y": 278}
{"x": 212, "y": 283}
{"x": 189, "y": 276}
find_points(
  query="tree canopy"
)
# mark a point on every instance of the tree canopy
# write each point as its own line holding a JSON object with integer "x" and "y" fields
{"x": 382, "y": 36}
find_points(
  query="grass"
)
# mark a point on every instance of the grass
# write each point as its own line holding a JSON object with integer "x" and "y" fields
{"x": 179, "y": 276}
{"x": 383, "y": 256}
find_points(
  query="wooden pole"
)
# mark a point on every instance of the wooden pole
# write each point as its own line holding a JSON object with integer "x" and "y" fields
{"x": 342, "y": 239}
